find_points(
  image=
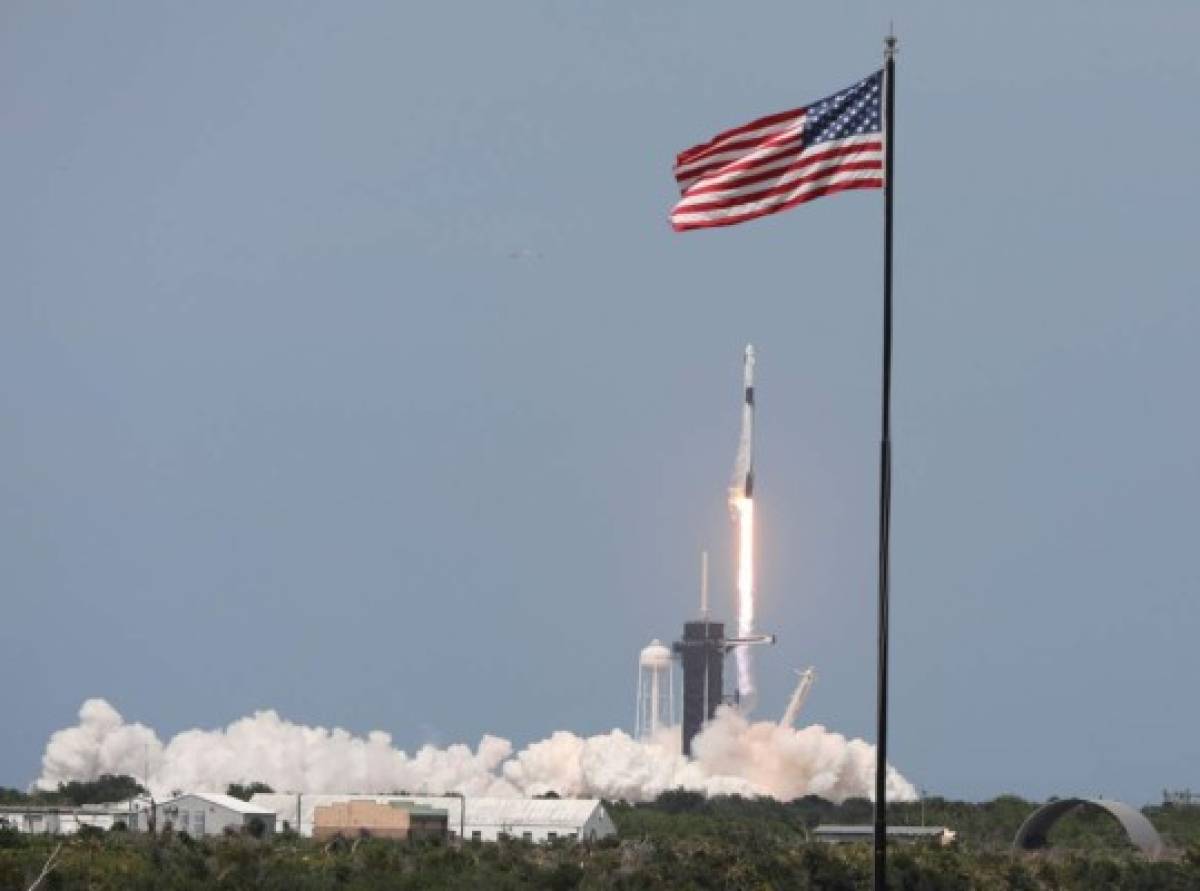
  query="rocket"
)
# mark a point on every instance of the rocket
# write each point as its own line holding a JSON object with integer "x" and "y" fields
{"x": 742, "y": 484}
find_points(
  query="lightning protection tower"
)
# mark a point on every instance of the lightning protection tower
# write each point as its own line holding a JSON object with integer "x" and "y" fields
{"x": 655, "y": 692}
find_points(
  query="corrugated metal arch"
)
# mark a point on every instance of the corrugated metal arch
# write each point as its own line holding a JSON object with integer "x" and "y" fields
{"x": 1033, "y": 832}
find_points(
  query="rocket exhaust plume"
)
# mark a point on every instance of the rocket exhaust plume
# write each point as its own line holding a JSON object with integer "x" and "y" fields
{"x": 731, "y": 755}
{"x": 741, "y": 506}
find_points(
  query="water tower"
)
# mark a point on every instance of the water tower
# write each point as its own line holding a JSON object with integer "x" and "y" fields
{"x": 655, "y": 692}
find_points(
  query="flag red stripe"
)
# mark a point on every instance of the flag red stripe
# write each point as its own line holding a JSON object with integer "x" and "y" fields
{"x": 783, "y": 140}
{"x": 684, "y": 215}
{"x": 780, "y": 189}
{"x": 694, "y": 152}
{"x": 720, "y": 184}
{"x": 807, "y": 196}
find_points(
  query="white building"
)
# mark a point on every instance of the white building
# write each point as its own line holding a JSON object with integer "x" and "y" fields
{"x": 68, "y": 819}
{"x": 476, "y": 819}
{"x": 538, "y": 819}
{"x": 211, "y": 813}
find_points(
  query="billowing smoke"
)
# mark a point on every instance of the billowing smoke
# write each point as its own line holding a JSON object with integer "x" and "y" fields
{"x": 732, "y": 755}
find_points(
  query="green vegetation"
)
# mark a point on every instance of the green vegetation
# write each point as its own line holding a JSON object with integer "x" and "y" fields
{"x": 980, "y": 826}
{"x": 680, "y": 841}
{"x": 106, "y": 788}
{"x": 246, "y": 790}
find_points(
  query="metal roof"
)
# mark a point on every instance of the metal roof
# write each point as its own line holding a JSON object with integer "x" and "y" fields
{"x": 422, "y": 809}
{"x": 81, "y": 810}
{"x": 1033, "y": 832}
{"x": 870, "y": 830}
{"x": 226, "y": 801}
{"x": 526, "y": 811}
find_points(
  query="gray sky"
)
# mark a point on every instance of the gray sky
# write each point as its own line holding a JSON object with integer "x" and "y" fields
{"x": 348, "y": 366}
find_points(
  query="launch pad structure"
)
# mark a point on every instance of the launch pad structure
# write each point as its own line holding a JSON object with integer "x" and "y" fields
{"x": 702, "y": 651}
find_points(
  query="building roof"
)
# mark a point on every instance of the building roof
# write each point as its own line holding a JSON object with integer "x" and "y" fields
{"x": 423, "y": 810}
{"x": 531, "y": 811}
{"x": 870, "y": 830}
{"x": 226, "y": 801}
{"x": 120, "y": 810}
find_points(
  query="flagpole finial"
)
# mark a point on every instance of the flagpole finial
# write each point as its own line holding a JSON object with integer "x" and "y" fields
{"x": 889, "y": 42}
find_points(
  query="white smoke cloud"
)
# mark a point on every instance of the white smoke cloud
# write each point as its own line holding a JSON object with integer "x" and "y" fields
{"x": 732, "y": 755}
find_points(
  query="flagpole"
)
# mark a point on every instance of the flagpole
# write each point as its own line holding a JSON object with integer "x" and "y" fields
{"x": 885, "y": 476}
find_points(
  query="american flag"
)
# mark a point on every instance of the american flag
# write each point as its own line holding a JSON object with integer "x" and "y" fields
{"x": 784, "y": 159}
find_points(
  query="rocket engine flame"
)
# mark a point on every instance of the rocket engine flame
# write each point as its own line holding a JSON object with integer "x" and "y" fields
{"x": 744, "y": 511}
{"x": 741, "y": 506}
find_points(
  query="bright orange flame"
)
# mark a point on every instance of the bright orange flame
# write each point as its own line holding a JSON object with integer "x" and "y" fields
{"x": 744, "y": 508}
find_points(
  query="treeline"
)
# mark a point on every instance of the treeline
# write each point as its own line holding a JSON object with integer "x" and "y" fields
{"x": 680, "y": 841}
{"x": 986, "y": 825}
{"x": 246, "y": 791}
{"x": 106, "y": 788}
{"x": 743, "y": 859}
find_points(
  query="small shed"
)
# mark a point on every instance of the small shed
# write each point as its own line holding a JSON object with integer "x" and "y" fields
{"x": 838, "y": 835}
{"x": 212, "y": 813}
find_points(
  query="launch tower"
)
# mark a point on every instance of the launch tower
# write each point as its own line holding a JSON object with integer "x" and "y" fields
{"x": 702, "y": 653}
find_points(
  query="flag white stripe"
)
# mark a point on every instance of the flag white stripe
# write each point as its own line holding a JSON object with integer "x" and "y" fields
{"x": 828, "y": 164}
{"x": 732, "y": 176}
{"x": 761, "y": 155}
{"x": 765, "y": 204}
{"x": 760, "y": 133}
{"x": 781, "y": 141}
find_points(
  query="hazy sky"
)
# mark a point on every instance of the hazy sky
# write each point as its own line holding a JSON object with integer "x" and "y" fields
{"x": 348, "y": 366}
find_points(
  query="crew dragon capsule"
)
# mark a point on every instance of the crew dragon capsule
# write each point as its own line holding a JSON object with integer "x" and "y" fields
{"x": 742, "y": 485}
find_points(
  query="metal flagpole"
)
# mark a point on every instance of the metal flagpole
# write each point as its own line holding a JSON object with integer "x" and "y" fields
{"x": 885, "y": 474}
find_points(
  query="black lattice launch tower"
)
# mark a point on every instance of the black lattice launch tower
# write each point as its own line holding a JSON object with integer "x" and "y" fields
{"x": 702, "y": 651}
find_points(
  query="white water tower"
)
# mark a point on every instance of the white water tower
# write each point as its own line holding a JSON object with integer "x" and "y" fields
{"x": 655, "y": 692}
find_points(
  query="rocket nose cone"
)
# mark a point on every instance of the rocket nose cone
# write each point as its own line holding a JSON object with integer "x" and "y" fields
{"x": 749, "y": 351}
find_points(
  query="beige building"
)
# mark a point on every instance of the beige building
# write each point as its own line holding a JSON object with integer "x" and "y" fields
{"x": 395, "y": 819}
